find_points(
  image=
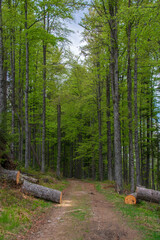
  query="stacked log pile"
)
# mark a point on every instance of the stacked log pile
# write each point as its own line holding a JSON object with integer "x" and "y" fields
{"x": 143, "y": 193}
{"x": 30, "y": 186}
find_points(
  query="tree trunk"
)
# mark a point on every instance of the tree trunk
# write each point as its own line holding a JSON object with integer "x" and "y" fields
{"x": 20, "y": 155}
{"x": 152, "y": 151}
{"x": 42, "y": 192}
{"x": 64, "y": 160}
{"x": 1, "y": 71}
{"x": 131, "y": 199}
{"x": 12, "y": 58}
{"x": 148, "y": 194}
{"x": 10, "y": 175}
{"x": 109, "y": 140}
{"x": 44, "y": 103}
{"x": 35, "y": 146}
{"x": 129, "y": 86}
{"x": 26, "y": 90}
{"x": 29, "y": 142}
{"x": 30, "y": 179}
{"x": 99, "y": 113}
{"x": 147, "y": 174}
{"x": 142, "y": 144}
{"x": 59, "y": 139}
{"x": 125, "y": 158}
{"x": 158, "y": 156}
{"x": 71, "y": 161}
{"x": 5, "y": 73}
{"x": 138, "y": 179}
{"x": 113, "y": 9}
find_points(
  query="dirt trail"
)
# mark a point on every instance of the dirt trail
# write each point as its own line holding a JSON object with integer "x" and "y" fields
{"x": 83, "y": 215}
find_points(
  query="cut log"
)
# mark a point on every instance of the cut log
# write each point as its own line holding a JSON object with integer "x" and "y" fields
{"x": 42, "y": 192}
{"x": 10, "y": 175}
{"x": 131, "y": 198}
{"x": 148, "y": 194}
{"x": 28, "y": 178}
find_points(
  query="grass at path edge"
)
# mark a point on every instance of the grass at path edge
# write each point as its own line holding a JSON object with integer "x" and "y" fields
{"x": 18, "y": 211}
{"x": 144, "y": 216}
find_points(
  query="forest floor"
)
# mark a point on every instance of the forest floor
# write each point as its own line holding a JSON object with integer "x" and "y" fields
{"x": 83, "y": 215}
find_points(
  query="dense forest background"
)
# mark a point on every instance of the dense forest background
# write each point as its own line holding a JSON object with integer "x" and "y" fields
{"x": 97, "y": 118}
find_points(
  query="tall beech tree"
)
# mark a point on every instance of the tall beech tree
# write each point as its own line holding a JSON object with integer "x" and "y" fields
{"x": 129, "y": 86}
{"x": 26, "y": 86}
{"x": 1, "y": 70}
{"x": 44, "y": 97}
{"x": 109, "y": 139}
{"x": 58, "y": 171}
{"x": 113, "y": 10}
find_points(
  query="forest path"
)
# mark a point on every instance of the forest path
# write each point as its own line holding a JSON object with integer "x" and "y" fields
{"x": 83, "y": 215}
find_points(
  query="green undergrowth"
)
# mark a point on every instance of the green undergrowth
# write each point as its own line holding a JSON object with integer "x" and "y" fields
{"x": 144, "y": 216}
{"x": 18, "y": 211}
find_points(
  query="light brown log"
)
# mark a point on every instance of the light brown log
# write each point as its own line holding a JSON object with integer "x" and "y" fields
{"x": 28, "y": 178}
{"x": 42, "y": 192}
{"x": 148, "y": 194}
{"x": 131, "y": 198}
{"x": 10, "y": 175}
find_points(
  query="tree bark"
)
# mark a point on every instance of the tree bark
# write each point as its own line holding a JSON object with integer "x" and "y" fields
{"x": 42, "y": 192}
{"x": 152, "y": 151}
{"x": 99, "y": 113}
{"x": 30, "y": 179}
{"x": 109, "y": 140}
{"x": 12, "y": 58}
{"x": 113, "y": 9}
{"x": 129, "y": 86}
{"x": 148, "y": 194}
{"x": 71, "y": 161}
{"x": 125, "y": 157}
{"x": 1, "y": 70}
{"x": 20, "y": 90}
{"x": 26, "y": 90}
{"x": 147, "y": 174}
{"x": 59, "y": 139}
{"x": 158, "y": 157}
{"x": 29, "y": 142}
{"x": 44, "y": 103}
{"x": 138, "y": 178}
{"x": 10, "y": 175}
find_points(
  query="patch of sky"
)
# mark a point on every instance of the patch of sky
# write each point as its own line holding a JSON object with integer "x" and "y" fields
{"x": 75, "y": 36}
